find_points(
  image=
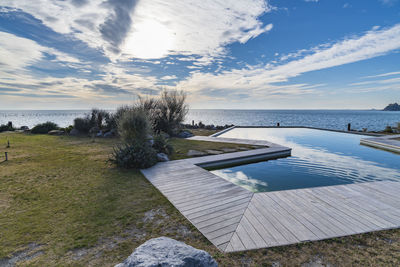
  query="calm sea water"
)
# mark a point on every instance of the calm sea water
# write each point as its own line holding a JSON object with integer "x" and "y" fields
{"x": 331, "y": 119}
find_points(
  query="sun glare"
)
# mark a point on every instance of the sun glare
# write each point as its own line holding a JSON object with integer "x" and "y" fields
{"x": 149, "y": 40}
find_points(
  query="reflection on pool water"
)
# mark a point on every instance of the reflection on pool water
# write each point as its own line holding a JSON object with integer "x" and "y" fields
{"x": 319, "y": 158}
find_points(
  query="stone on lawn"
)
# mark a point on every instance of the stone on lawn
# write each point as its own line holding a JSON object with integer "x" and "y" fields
{"x": 185, "y": 134}
{"x": 196, "y": 153}
{"x": 164, "y": 251}
{"x": 162, "y": 157}
{"x": 228, "y": 150}
{"x": 214, "y": 152}
{"x": 56, "y": 132}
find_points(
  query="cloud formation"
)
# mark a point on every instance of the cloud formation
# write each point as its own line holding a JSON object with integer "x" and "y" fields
{"x": 263, "y": 78}
{"x": 129, "y": 26}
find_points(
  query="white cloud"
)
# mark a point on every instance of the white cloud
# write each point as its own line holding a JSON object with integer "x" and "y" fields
{"x": 262, "y": 78}
{"x": 169, "y": 77}
{"x": 152, "y": 29}
{"x": 17, "y": 52}
{"x": 383, "y": 75}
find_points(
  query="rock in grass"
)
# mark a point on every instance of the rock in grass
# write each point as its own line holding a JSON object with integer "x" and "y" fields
{"x": 162, "y": 157}
{"x": 56, "y": 132}
{"x": 164, "y": 251}
{"x": 185, "y": 134}
{"x": 228, "y": 150}
{"x": 213, "y": 152}
{"x": 196, "y": 153}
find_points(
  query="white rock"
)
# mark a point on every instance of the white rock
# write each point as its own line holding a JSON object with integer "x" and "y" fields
{"x": 162, "y": 157}
{"x": 164, "y": 251}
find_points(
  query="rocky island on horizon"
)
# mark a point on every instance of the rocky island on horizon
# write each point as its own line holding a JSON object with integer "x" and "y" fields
{"x": 392, "y": 107}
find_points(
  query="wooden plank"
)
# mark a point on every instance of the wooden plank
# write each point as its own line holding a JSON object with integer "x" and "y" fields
{"x": 252, "y": 232}
{"x": 268, "y": 228}
{"x": 218, "y": 208}
{"x": 264, "y": 233}
{"x": 268, "y": 217}
{"x": 216, "y": 226}
{"x": 333, "y": 216}
{"x": 291, "y": 223}
{"x": 309, "y": 223}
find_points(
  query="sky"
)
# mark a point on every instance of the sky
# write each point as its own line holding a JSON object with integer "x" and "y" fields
{"x": 225, "y": 54}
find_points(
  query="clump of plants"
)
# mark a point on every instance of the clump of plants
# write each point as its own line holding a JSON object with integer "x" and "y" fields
{"x": 388, "y": 129}
{"x": 44, "y": 128}
{"x": 7, "y": 127}
{"x": 144, "y": 128}
{"x": 96, "y": 120}
{"x": 136, "y": 151}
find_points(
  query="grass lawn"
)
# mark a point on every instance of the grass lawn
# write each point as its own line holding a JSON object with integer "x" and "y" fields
{"x": 62, "y": 203}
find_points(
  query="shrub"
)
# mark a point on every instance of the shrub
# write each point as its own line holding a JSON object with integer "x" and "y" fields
{"x": 135, "y": 155}
{"x": 7, "y": 127}
{"x": 134, "y": 126}
{"x": 83, "y": 124}
{"x": 98, "y": 117}
{"x": 161, "y": 145}
{"x": 44, "y": 128}
{"x": 388, "y": 129}
{"x": 170, "y": 112}
{"x": 112, "y": 119}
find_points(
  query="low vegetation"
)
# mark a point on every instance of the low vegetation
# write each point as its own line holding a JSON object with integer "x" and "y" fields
{"x": 62, "y": 203}
{"x": 44, "y": 128}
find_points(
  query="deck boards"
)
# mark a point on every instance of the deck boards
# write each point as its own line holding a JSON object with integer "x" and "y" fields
{"x": 235, "y": 219}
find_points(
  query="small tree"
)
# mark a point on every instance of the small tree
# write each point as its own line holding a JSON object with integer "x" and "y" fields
{"x": 170, "y": 112}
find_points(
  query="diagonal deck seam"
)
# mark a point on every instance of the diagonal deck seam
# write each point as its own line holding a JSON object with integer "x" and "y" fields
{"x": 239, "y": 221}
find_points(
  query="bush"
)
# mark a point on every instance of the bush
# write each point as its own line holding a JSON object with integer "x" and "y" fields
{"x": 134, "y": 126}
{"x": 112, "y": 120}
{"x": 135, "y": 155}
{"x": 83, "y": 125}
{"x": 170, "y": 112}
{"x": 161, "y": 145}
{"x": 98, "y": 117}
{"x": 388, "y": 129}
{"x": 7, "y": 127}
{"x": 44, "y": 128}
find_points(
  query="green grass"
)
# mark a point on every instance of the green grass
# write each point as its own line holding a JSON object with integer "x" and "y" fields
{"x": 61, "y": 194}
{"x": 182, "y": 146}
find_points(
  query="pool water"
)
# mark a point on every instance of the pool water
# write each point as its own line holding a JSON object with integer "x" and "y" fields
{"x": 319, "y": 158}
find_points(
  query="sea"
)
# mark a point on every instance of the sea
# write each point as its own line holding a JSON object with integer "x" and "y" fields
{"x": 372, "y": 120}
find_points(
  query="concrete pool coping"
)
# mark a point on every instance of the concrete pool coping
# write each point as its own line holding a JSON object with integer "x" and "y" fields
{"x": 386, "y": 142}
{"x": 235, "y": 219}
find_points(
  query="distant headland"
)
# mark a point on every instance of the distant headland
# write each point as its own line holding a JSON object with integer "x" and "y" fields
{"x": 392, "y": 107}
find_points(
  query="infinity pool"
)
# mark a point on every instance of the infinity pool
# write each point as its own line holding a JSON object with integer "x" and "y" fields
{"x": 319, "y": 158}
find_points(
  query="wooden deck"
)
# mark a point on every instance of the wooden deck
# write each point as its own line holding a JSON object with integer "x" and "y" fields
{"x": 235, "y": 219}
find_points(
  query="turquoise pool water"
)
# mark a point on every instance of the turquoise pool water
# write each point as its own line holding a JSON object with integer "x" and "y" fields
{"x": 319, "y": 158}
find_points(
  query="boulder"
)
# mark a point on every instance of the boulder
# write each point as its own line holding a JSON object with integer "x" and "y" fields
{"x": 185, "y": 134}
{"x": 99, "y": 134}
{"x": 74, "y": 132}
{"x": 162, "y": 157}
{"x": 196, "y": 153}
{"x": 109, "y": 134}
{"x": 164, "y": 251}
{"x": 56, "y": 132}
{"x": 24, "y": 128}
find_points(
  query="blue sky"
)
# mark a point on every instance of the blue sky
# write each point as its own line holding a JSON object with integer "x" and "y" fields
{"x": 253, "y": 54}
